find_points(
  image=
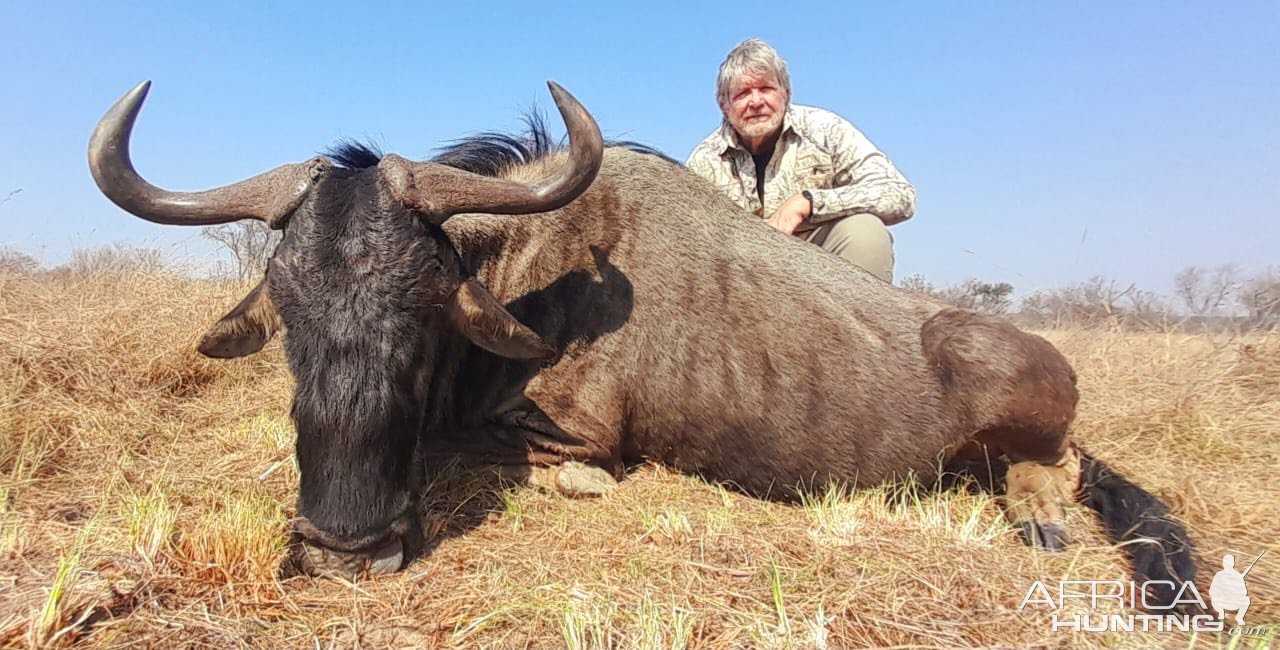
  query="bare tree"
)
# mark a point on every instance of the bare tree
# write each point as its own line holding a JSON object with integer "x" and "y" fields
{"x": 1146, "y": 308}
{"x": 251, "y": 244}
{"x": 1261, "y": 296}
{"x": 1203, "y": 291}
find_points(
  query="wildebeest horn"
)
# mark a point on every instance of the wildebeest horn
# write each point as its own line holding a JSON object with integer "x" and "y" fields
{"x": 440, "y": 191}
{"x": 269, "y": 197}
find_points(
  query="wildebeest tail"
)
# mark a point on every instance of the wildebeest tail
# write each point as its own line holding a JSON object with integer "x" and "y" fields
{"x": 1159, "y": 546}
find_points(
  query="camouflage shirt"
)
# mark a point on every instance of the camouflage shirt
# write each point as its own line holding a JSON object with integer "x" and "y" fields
{"x": 818, "y": 151}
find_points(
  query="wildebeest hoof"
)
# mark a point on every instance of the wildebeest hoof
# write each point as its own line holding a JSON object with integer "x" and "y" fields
{"x": 1047, "y": 535}
{"x": 329, "y": 563}
{"x": 581, "y": 480}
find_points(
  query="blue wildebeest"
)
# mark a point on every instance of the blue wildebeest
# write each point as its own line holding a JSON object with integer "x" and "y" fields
{"x": 638, "y": 316}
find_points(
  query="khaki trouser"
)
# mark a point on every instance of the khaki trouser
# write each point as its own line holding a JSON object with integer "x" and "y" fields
{"x": 860, "y": 238}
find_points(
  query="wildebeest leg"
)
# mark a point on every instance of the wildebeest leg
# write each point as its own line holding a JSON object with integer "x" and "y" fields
{"x": 1030, "y": 431}
{"x": 1018, "y": 393}
{"x": 544, "y": 441}
{"x": 1037, "y": 494}
{"x": 1044, "y": 467}
{"x": 570, "y": 478}
{"x": 528, "y": 448}
{"x": 1036, "y": 491}
{"x": 564, "y": 435}
{"x": 579, "y": 403}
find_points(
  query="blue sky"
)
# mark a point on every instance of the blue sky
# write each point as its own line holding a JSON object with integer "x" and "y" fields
{"x": 1048, "y": 142}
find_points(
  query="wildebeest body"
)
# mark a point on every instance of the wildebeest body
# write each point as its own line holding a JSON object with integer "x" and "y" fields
{"x": 696, "y": 335}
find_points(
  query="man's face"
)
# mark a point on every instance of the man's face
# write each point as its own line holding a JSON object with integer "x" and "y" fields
{"x": 756, "y": 105}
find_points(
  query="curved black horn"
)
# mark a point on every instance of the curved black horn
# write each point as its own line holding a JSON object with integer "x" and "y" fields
{"x": 440, "y": 191}
{"x": 268, "y": 197}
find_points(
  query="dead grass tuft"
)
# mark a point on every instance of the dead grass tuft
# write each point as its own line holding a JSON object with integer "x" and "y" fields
{"x": 144, "y": 493}
{"x": 242, "y": 540}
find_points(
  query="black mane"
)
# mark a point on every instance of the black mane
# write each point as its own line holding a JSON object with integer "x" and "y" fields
{"x": 487, "y": 154}
{"x": 490, "y": 153}
{"x": 353, "y": 154}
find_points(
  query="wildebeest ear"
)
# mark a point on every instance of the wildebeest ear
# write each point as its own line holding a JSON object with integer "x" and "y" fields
{"x": 476, "y": 313}
{"x": 245, "y": 329}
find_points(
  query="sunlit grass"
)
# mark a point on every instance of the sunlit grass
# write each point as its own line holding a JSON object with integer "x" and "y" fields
{"x": 241, "y": 540}
{"x": 834, "y": 515}
{"x": 513, "y": 506}
{"x": 11, "y": 540}
{"x": 669, "y": 525}
{"x": 587, "y": 623}
{"x": 60, "y": 612}
{"x": 661, "y": 626}
{"x": 182, "y": 471}
{"x": 151, "y": 519}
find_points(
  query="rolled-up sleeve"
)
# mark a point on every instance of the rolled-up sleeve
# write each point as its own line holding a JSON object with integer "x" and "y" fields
{"x": 864, "y": 180}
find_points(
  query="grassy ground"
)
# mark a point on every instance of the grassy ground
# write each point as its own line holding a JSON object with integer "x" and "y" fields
{"x": 144, "y": 492}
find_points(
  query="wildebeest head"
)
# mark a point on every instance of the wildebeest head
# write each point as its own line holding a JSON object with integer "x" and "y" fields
{"x": 365, "y": 281}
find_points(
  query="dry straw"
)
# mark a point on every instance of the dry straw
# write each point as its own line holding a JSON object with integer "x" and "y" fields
{"x": 144, "y": 492}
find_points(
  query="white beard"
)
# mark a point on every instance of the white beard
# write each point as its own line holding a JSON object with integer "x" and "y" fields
{"x": 760, "y": 129}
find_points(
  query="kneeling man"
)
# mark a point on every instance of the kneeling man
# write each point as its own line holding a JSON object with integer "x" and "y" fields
{"x": 807, "y": 170}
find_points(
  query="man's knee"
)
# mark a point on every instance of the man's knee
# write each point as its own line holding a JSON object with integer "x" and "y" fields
{"x": 864, "y": 240}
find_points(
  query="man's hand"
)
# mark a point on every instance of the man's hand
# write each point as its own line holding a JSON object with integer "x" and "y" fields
{"x": 791, "y": 214}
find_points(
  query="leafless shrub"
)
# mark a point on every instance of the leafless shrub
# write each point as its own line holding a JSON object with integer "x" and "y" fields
{"x": 1146, "y": 309}
{"x": 116, "y": 259}
{"x": 1095, "y": 301}
{"x": 1211, "y": 299}
{"x": 1260, "y": 295}
{"x": 16, "y": 262}
{"x": 249, "y": 242}
{"x": 990, "y": 297}
{"x": 919, "y": 284}
{"x": 1204, "y": 292}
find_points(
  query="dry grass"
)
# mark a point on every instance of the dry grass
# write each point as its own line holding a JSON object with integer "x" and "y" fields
{"x": 144, "y": 492}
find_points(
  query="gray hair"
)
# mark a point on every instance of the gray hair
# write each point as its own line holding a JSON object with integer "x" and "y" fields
{"x": 752, "y": 56}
